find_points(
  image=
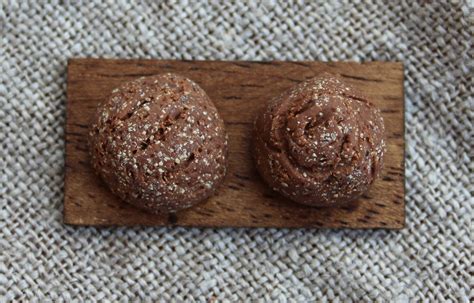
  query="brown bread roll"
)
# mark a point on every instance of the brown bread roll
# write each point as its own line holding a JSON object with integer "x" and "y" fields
{"x": 321, "y": 143}
{"x": 158, "y": 143}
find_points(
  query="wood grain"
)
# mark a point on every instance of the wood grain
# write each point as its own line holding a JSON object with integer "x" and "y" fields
{"x": 238, "y": 89}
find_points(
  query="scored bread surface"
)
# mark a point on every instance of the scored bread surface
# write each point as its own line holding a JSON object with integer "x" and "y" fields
{"x": 159, "y": 143}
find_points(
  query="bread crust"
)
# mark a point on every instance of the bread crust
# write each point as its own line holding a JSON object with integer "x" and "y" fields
{"x": 321, "y": 143}
{"x": 159, "y": 143}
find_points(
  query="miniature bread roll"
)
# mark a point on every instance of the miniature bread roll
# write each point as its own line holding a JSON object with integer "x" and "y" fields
{"x": 159, "y": 143}
{"x": 321, "y": 143}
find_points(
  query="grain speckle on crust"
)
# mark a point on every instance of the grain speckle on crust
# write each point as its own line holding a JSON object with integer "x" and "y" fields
{"x": 150, "y": 141}
{"x": 321, "y": 143}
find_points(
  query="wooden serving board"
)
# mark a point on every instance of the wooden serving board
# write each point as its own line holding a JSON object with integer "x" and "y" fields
{"x": 238, "y": 89}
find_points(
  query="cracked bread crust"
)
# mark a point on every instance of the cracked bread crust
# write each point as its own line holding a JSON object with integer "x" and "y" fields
{"x": 159, "y": 143}
{"x": 321, "y": 143}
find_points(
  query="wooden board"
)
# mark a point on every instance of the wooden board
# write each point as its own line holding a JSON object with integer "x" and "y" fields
{"x": 238, "y": 90}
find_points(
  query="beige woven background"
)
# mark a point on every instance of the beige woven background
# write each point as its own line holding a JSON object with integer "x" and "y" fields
{"x": 43, "y": 260}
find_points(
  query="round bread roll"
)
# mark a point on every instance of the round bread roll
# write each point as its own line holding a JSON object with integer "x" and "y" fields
{"x": 320, "y": 143}
{"x": 158, "y": 143}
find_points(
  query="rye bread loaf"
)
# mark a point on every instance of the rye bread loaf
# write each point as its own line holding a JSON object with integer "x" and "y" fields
{"x": 158, "y": 143}
{"x": 321, "y": 143}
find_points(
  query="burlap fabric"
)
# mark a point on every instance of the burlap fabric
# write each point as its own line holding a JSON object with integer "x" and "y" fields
{"x": 43, "y": 260}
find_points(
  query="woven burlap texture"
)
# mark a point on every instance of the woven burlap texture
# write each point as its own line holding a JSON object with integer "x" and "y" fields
{"x": 43, "y": 259}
